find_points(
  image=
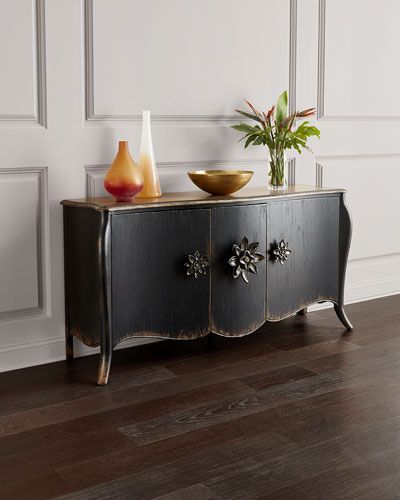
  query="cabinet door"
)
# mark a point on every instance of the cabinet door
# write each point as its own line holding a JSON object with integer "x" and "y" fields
{"x": 310, "y": 227}
{"x": 237, "y": 307}
{"x": 151, "y": 293}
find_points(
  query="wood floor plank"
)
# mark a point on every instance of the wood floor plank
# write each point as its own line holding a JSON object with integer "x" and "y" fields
{"x": 33, "y": 464}
{"x": 195, "y": 492}
{"x": 173, "y": 425}
{"x": 287, "y": 374}
{"x": 60, "y": 393}
{"x": 249, "y": 429}
{"x": 177, "y": 471}
{"x": 159, "y": 406}
{"x": 159, "y": 428}
{"x": 41, "y": 488}
{"x": 98, "y": 401}
{"x": 301, "y": 409}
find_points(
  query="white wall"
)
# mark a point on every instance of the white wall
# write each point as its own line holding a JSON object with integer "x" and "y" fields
{"x": 76, "y": 75}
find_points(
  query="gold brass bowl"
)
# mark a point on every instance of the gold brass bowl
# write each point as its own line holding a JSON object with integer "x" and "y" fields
{"x": 220, "y": 182}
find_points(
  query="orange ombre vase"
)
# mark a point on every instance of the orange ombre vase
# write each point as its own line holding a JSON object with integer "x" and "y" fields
{"x": 124, "y": 179}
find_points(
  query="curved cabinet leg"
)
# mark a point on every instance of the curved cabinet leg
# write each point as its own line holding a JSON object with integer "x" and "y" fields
{"x": 105, "y": 363}
{"x": 342, "y": 316}
{"x": 106, "y": 344}
{"x": 69, "y": 347}
{"x": 344, "y": 247}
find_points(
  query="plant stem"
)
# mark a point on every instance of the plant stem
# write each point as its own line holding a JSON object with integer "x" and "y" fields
{"x": 277, "y": 165}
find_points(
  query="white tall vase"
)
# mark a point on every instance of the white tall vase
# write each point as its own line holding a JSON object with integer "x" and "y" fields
{"x": 147, "y": 164}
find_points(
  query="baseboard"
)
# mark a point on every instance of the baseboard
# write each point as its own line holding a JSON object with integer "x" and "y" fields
{"x": 370, "y": 278}
{"x": 367, "y": 278}
{"x": 50, "y": 350}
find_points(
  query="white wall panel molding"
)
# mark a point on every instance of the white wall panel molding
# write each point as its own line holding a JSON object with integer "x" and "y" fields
{"x": 49, "y": 350}
{"x": 37, "y": 178}
{"x": 371, "y": 182}
{"x": 92, "y": 116}
{"x": 321, "y": 59}
{"x": 383, "y": 159}
{"x": 319, "y": 175}
{"x": 39, "y": 116}
{"x": 41, "y": 63}
{"x": 292, "y": 56}
{"x": 321, "y": 75}
{"x": 370, "y": 278}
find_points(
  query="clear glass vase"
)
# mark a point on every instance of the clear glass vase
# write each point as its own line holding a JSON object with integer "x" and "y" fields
{"x": 277, "y": 176}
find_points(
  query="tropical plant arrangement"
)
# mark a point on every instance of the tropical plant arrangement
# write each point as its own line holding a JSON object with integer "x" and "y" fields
{"x": 274, "y": 129}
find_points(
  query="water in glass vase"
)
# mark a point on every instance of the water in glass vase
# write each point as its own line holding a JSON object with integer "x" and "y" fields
{"x": 277, "y": 177}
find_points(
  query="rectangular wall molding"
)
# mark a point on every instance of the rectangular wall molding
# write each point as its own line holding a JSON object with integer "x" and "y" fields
{"x": 321, "y": 80}
{"x": 89, "y": 74}
{"x": 384, "y": 157}
{"x": 42, "y": 231}
{"x": 319, "y": 168}
{"x": 39, "y": 54}
{"x": 358, "y": 173}
{"x": 292, "y": 56}
{"x": 50, "y": 350}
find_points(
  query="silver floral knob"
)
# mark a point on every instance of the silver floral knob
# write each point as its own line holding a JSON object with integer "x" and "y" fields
{"x": 281, "y": 252}
{"x": 244, "y": 259}
{"x": 196, "y": 264}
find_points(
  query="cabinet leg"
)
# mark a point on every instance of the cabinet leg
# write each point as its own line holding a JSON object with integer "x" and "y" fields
{"x": 302, "y": 312}
{"x": 69, "y": 347}
{"x": 342, "y": 316}
{"x": 105, "y": 364}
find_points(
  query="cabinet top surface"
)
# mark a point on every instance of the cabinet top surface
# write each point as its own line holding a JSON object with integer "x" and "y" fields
{"x": 183, "y": 199}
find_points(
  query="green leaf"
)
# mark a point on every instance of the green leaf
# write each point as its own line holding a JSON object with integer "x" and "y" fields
{"x": 250, "y": 139}
{"x": 249, "y": 115}
{"x": 296, "y": 147}
{"x": 244, "y": 127}
{"x": 243, "y": 138}
{"x": 281, "y": 108}
{"x": 258, "y": 141}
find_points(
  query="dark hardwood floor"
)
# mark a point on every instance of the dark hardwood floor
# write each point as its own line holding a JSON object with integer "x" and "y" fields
{"x": 300, "y": 410}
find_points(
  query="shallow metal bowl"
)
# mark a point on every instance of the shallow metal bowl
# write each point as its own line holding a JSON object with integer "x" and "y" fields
{"x": 220, "y": 182}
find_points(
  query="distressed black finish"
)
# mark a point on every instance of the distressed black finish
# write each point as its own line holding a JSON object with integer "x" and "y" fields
{"x": 125, "y": 272}
{"x": 238, "y": 308}
{"x": 344, "y": 247}
{"x": 83, "y": 284}
{"x": 310, "y": 274}
{"x": 107, "y": 337}
{"x": 153, "y": 296}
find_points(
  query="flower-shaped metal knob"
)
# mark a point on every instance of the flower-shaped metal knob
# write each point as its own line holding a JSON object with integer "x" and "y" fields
{"x": 244, "y": 259}
{"x": 281, "y": 252}
{"x": 196, "y": 264}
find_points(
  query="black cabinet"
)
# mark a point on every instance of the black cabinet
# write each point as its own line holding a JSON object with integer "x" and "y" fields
{"x": 152, "y": 295}
{"x": 310, "y": 229}
{"x": 237, "y": 307}
{"x": 187, "y": 264}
